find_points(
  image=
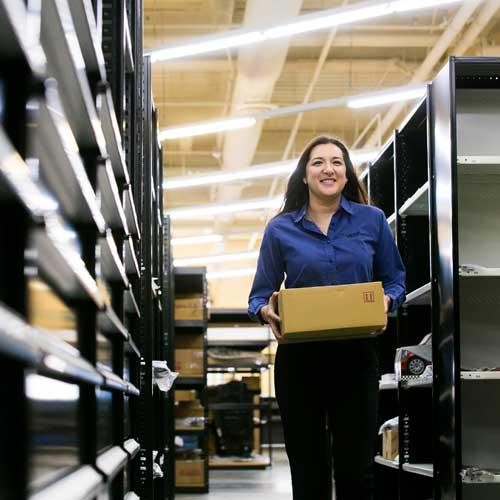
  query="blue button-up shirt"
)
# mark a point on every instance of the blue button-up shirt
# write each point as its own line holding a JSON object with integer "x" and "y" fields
{"x": 358, "y": 248}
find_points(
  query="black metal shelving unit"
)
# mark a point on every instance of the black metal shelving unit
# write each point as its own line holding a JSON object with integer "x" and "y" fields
{"x": 234, "y": 318}
{"x": 72, "y": 158}
{"x": 193, "y": 333}
{"x": 444, "y": 187}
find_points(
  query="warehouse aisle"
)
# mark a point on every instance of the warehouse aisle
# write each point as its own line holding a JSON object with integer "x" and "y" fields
{"x": 271, "y": 484}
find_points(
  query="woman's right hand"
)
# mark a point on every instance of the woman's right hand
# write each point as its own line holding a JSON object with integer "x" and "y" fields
{"x": 269, "y": 314}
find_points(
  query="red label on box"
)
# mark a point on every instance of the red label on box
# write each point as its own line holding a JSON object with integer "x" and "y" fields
{"x": 368, "y": 297}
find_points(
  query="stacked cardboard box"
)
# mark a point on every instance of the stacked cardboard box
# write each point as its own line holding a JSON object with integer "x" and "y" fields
{"x": 189, "y": 358}
{"x": 390, "y": 443}
{"x": 189, "y": 307}
{"x": 189, "y": 473}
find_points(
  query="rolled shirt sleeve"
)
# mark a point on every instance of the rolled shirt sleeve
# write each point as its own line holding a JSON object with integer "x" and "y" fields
{"x": 388, "y": 265}
{"x": 269, "y": 274}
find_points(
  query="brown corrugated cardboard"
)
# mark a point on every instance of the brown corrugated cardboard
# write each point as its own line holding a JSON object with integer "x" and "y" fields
{"x": 189, "y": 362}
{"x": 189, "y": 307}
{"x": 189, "y": 473}
{"x": 331, "y": 312}
{"x": 189, "y": 409}
{"x": 390, "y": 444}
{"x": 187, "y": 395}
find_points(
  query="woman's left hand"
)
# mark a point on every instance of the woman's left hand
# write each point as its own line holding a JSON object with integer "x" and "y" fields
{"x": 387, "y": 303}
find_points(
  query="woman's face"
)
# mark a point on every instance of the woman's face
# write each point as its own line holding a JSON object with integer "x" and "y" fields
{"x": 326, "y": 171}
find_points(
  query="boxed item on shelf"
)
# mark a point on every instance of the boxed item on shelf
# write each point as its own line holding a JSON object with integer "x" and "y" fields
{"x": 390, "y": 443}
{"x": 252, "y": 383}
{"x": 189, "y": 362}
{"x": 189, "y": 307}
{"x": 185, "y": 395}
{"x": 190, "y": 441}
{"x": 226, "y": 356}
{"x": 189, "y": 473}
{"x": 332, "y": 312}
{"x": 189, "y": 409}
{"x": 46, "y": 310}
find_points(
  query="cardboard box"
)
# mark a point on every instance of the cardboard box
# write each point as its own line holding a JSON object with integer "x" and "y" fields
{"x": 189, "y": 473}
{"x": 183, "y": 396}
{"x": 189, "y": 362}
{"x": 331, "y": 312}
{"x": 189, "y": 307}
{"x": 189, "y": 409}
{"x": 390, "y": 444}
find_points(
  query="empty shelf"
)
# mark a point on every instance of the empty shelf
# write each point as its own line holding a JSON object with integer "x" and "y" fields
{"x": 474, "y": 271}
{"x": 387, "y": 386}
{"x": 130, "y": 213}
{"x": 131, "y": 496}
{"x": 421, "y": 296}
{"x": 107, "y": 115}
{"x": 66, "y": 64}
{"x": 113, "y": 382}
{"x": 111, "y": 206}
{"x": 418, "y": 204}
{"x": 61, "y": 165}
{"x": 81, "y": 484}
{"x": 421, "y": 469}
{"x": 130, "y": 304}
{"x": 112, "y": 461}
{"x": 111, "y": 266}
{"x": 131, "y": 264}
{"x": 388, "y": 463}
{"x": 478, "y": 165}
{"x": 480, "y": 375}
{"x": 129, "y": 56}
{"x": 88, "y": 37}
{"x": 131, "y": 348}
{"x": 392, "y": 222}
{"x": 109, "y": 322}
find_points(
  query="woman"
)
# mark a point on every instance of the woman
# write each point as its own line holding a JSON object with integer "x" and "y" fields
{"x": 327, "y": 391}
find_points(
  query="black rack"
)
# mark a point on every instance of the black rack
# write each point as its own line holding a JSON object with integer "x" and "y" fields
{"x": 192, "y": 333}
{"x": 71, "y": 180}
{"x": 437, "y": 181}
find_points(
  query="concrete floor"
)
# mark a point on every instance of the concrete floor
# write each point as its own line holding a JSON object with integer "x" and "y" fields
{"x": 270, "y": 484}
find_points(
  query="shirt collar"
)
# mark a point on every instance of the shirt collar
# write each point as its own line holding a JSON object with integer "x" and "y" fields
{"x": 345, "y": 204}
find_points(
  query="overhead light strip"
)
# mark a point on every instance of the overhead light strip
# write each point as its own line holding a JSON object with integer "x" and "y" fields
{"x": 307, "y": 23}
{"x": 393, "y": 94}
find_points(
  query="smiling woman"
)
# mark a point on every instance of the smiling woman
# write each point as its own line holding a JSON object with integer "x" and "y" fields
{"x": 326, "y": 234}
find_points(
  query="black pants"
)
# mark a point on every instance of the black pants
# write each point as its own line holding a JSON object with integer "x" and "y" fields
{"x": 332, "y": 384}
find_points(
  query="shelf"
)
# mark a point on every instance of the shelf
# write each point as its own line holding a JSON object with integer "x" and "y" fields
{"x": 387, "y": 386}
{"x": 420, "y": 469}
{"x": 480, "y": 375}
{"x": 418, "y": 204}
{"x": 191, "y": 489}
{"x": 189, "y": 271}
{"x": 479, "y": 165}
{"x": 130, "y": 304}
{"x": 86, "y": 31}
{"x": 189, "y": 381}
{"x": 195, "y": 323}
{"x": 190, "y": 430}
{"x": 478, "y": 272}
{"x": 241, "y": 464}
{"x": 419, "y": 297}
{"x": 81, "y": 484}
{"x": 66, "y": 64}
{"x": 131, "y": 496}
{"x": 387, "y": 463}
{"x": 107, "y": 115}
{"x": 132, "y": 447}
{"x": 111, "y": 266}
{"x": 131, "y": 264}
{"x": 238, "y": 406}
{"x": 113, "y": 382}
{"x": 237, "y": 369}
{"x": 15, "y": 42}
{"x": 131, "y": 348}
{"x": 130, "y": 213}
{"x": 108, "y": 321}
{"x": 112, "y": 461}
{"x": 111, "y": 206}
{"x": 392, "y": 222}
{"x": 425, "y": 382}
{"x": 62, "y": 166}
{"x": 492, "y": 477}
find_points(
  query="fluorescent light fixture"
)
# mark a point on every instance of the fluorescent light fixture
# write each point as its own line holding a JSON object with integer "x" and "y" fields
{"x": 231, "y": 273}
{"x": 197, "y": 240}
{"x": 386, "y": 97}
{"x": 215, "y": 259}
{"x": 255, "y": 172}
{"x": 315, "y": 21}
{"x": 229, "y": 208}
{"x": 209, "y": 127}
{"x": 205, "y": 45}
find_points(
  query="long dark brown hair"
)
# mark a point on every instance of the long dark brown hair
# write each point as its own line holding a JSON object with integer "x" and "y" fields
{"x": 297, "y": 193}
